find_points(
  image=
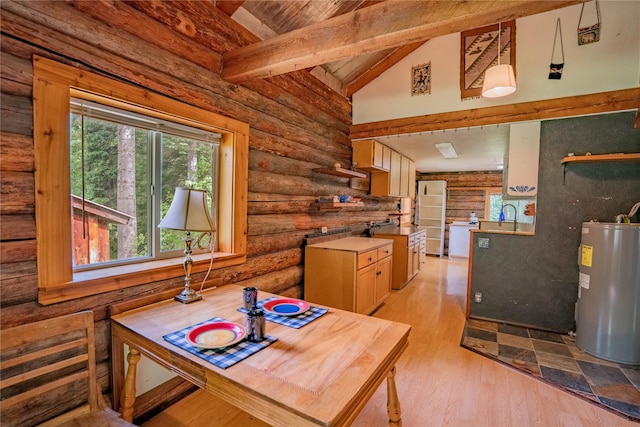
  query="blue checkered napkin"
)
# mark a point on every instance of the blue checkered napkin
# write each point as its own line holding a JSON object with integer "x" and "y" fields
{"x": 221, "y": 357}
{"x": 296, "y": 322}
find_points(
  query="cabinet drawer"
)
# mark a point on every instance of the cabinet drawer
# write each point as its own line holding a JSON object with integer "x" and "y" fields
{"x": 423, "y": 235}
{"x": 367, "y": 258}
{"x": 412, "y": 240}
{"x": 385, "y": 251}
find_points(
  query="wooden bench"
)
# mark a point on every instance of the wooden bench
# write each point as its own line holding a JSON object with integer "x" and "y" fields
{"x": 53, "y": 358}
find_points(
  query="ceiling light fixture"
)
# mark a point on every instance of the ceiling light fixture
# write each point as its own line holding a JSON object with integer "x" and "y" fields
{"x": 499, "y": 80}
{"x": 447, "y": 150}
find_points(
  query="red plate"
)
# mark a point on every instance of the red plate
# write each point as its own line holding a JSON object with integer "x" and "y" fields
{"x": 215, "y": 335}
{"x": 286, "y": 306}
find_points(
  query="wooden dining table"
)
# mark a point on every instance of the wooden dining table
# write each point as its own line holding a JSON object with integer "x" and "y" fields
{"x": 321, "y": 374}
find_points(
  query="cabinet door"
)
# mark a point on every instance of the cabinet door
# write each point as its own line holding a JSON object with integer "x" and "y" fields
{"x": 413, "y": 261}
{"x": 365, "y": 289}
{"x": 415, "y": 258}
{"x": 386, "y": 157}
{"x": 404, "y": 176}
{"x": 378, "y": 155}
{"x": 412, "y": 179}
{"x": 383, "y": 279}
{"x": 372, "y": 155}
{"x": 395, "y": 173}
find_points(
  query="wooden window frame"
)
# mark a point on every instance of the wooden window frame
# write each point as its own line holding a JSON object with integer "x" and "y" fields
{"x": 53, "y": 85}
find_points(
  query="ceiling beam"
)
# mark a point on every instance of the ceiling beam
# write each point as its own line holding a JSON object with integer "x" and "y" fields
{"x": 625, "y": 99}
{"x": 381, "y": 26}
{"x": 380, "y": 67}
{"x": 228, "y": 6}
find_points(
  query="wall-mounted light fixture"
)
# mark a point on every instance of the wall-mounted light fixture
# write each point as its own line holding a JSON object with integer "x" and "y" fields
{"x": 447, "y": 150}
{"x": 499, "y": 80}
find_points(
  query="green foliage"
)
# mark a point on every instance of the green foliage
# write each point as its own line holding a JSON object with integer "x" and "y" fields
{"x": 183, "y": 162}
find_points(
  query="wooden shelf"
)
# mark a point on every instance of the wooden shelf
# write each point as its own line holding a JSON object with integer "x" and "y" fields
{"x": 338, "y": 205}
{"x": 344, "y": 173}
{"x": 601, "y": 158}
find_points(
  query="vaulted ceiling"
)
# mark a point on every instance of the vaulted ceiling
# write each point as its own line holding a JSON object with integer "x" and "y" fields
{"x": 348, "y": 43}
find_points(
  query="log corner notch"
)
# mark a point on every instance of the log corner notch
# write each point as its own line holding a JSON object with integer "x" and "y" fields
{"x": 386, "y": 25}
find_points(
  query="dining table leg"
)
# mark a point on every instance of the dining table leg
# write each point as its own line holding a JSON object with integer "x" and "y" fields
{"x": 393, "y": 404}
{"x": 128, "y": 397}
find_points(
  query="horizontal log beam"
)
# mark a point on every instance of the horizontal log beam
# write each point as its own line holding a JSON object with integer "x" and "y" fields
{"x": 382, "y": 26}
{"x": 17, "y": 152}
{"x": 625, "y": 99}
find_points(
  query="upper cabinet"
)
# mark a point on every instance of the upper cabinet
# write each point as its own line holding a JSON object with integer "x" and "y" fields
{"x": 371, "y": 155}
{"x": 522, "y": 166}
{"x": 392, "y": 174}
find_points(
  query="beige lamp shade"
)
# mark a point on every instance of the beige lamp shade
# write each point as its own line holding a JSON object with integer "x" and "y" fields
{"x": 188, "y": 211}
{"x": 499, "y": 81}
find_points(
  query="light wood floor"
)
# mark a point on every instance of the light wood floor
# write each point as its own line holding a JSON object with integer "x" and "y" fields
{"x": 439, "y": 383}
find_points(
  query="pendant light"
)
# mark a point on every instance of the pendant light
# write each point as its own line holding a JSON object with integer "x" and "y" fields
{"x": 499, "y": 80}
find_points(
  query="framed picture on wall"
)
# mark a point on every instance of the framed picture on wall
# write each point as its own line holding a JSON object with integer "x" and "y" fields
{"x": 421, "y": 79}
{"x": 479, "y": 51}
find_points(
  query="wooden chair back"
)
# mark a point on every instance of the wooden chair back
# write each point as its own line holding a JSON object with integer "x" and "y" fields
{"x": 49, "y": 358}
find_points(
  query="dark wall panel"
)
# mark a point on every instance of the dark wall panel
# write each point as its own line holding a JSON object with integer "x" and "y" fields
{"x": 533, "y": 280}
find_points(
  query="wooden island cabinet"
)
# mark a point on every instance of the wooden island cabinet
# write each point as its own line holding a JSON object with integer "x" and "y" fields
{"x": 409, "y": 249}
{"x": 353, "y": 273}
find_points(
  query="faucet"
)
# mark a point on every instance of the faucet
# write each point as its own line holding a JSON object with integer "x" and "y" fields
{"x": 515, "y": 215}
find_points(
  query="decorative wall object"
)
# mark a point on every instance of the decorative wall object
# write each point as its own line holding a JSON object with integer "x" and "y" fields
{"x": 555, "y": 70}
{"x": 589, "y": 34}
{"x": 421, "y": 79}
{"x": 479, "y": 51}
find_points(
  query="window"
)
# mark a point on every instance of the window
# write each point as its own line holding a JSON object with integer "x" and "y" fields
{"x": 165, "y": 134}
{"x": 124, "y": 169}
{"x": 494, "y": 202}
{"x": 495, "y": 205}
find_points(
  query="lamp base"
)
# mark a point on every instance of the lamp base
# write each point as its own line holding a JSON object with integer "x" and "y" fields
{"x": 187, "y": 297}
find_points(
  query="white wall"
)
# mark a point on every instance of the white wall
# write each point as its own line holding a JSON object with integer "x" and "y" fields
{"x": 612, "y": 63}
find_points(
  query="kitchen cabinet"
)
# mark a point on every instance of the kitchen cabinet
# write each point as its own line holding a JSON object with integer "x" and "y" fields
{"x": 392, "y": 174}
{"x": 399, "y": 181}
{"x": 372, "y": 155}
{"x": 406, "y": 252}
{"x": 521, "y": 169}
{"x": 432, "y": 208}
{"x": 352, "y": 273}
{"x": 395, "y": 174}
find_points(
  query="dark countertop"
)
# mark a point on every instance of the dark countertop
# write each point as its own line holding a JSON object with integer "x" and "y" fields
{"x": 394, "y": 230}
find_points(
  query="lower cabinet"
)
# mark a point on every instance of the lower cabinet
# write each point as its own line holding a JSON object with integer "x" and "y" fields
{"x": 409, "y": 249}
{"x": 351, "y": 274}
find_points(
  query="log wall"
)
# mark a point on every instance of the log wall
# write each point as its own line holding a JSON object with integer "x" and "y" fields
{"x": 466, "y": 193}
{"x": 173, "y": 48}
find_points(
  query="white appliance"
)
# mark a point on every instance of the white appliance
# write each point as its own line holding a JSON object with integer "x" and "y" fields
{"x": 460, "y": 238}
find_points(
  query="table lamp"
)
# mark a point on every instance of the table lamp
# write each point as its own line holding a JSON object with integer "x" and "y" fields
{"x": 188, "y": 212}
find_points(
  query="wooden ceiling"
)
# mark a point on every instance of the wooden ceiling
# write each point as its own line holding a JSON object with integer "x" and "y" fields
{"x": 348, "y": 43}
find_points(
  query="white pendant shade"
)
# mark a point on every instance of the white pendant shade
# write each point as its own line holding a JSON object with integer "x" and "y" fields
{"x": 188, "y": 211}
{"x": 499, "y": 81}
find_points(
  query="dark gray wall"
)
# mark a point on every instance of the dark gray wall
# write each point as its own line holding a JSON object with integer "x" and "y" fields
{"x": 533, "y": 280}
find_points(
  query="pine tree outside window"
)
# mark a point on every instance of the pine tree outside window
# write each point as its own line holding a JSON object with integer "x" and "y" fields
{"x": 124, "y": 169}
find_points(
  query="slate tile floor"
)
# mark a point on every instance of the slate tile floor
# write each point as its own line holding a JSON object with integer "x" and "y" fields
{"x": 556, "y": 359}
